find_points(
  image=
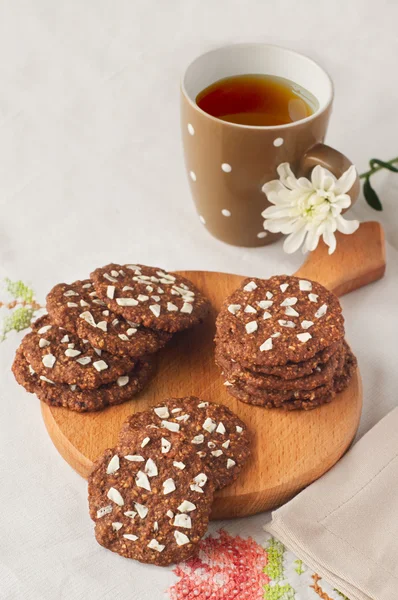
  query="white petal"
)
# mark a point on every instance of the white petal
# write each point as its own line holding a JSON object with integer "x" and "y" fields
{"x": 294, "y": 240}
{"x": 272, "y": 188}
{"x": 330, "y": 240}
{"x": 287, "y": 176}
{"x": 304, "y": 183}
{"x": 312, "y": 239}
{"x": 341, "y": 201}
{"x": 318, "y": 177}
{"x": 346, "y": 181}
{"x": 278, "y": 212}
{"x": 345, "y": 226}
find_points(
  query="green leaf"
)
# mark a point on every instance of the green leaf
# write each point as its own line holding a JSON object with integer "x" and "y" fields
{"x": 370, "y": 196}
{"x": 381, "y": 163}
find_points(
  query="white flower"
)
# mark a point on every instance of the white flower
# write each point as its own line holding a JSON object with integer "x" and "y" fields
{"x": 306, "y": 210}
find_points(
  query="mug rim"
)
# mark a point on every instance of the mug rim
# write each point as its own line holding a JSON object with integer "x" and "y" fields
{"x": 316, "y": 114}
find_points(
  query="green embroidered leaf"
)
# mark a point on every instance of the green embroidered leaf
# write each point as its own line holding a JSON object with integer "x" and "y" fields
{"x": 370, "y": 196}
{"x": 299, "y": 566}
{"x": 19, "y": 290}
{"x": 274, "y": 567}
{"x": 18, "y": 320}
{"x": 279, "y": 592}
{"x": 341, "y": 594}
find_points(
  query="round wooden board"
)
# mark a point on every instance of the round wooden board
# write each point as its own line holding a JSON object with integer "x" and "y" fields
{"x": 290, "y": 449}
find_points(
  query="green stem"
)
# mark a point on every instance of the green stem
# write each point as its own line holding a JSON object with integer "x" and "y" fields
{"x": 378, "y": 168}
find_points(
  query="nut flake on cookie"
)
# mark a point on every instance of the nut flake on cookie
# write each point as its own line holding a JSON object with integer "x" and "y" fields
{"x": 105, "y": 510}
{"x": 49, "y": 360}
{"x": 131, "y": 537}
{"x": 116, "y": 497}
{"x": 289, "y": 302}
{"x": 166, "y": 445}
{"x": 181, "y": 538}
{"x": 183, "y": 520}
{"x": 198, "y": 483}
{"x": 186, "y": 506}
{"x": 234, "y": 308}
{"x": 267, "y": 345}
{"x": 142, "y": 481}
{"x": 305, "y": 286}
{"x": 250, "y": 309}
{"x": 321, "y": 311}
{"x": 127, "y": 301}
{"x": 168, "y": 486}
{"x": 162, "y": 412}
{"x": 251, "y": 327}
{"x": 170, "y": 425}
{"x": 291, "y": 312}
{"x": 250, "y": 287}
{"x": 304, "y": 337}
{"x": 100, "y": 365}
{"x": 209, "y": 425}
{"x": 154, "y": 545}
{"x": 113, "y": 465}
{"x": 198, "y": 439}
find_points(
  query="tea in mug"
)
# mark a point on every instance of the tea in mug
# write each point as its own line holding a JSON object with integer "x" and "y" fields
{"x": 257, "y": 100}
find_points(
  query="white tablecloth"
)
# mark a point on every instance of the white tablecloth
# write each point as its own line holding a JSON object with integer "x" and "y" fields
{"x": 91, "y": 171}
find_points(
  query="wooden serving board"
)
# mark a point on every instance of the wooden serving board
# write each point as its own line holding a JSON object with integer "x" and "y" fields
{"x": 290, "y": 449}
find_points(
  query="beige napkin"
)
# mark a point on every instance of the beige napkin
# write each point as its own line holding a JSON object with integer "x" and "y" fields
{"x": 345, "y": 525}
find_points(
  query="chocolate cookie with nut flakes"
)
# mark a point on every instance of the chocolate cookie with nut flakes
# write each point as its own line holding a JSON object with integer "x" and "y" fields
{"x": 151, "y": 499}
{"x": 343, "y": 378}
{"x": 266, "y": 402}
{"x": 62, "y": 357}
{"x": 290, "y": 370}
{"x": 77, "y": 307}
{"x": 322, "y": 375}
{"x": 219, "y": 437}
{"x": 76, "y": 399}
{"x": 299, "y": 399}
{"x": 270, "y": 322}
{"x": 150, "y": 296}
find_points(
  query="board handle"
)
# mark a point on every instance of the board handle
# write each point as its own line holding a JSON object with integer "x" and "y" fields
{"x": 359, "y": 259}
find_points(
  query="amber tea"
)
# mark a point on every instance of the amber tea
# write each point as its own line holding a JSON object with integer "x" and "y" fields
{"x": 257, "y": 100}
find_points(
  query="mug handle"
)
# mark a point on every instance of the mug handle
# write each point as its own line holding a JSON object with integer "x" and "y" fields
{"x": 332, "y": 160}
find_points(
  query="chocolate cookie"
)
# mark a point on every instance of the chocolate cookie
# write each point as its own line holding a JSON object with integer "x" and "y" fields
{"x": 77, "y": 307}
{"x": 290, "y": 370}
{"x": 342, "y": 379}
{"x": 292, "y": 404}
{"x": 150, "y": 296}
{"x": 74, "y": 398}
{"x": 270, "y": 322}
{"x": 218, "y": 436}
{"x": 277, "y": 397}
{"x": 148, "y": 504}
{"x": 305, "y": 400}
{"x": 234, "y": 373}
{"x": 62, "y": 357}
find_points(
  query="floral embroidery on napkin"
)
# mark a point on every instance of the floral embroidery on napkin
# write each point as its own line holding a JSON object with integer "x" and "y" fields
{"x": 226, "y": 567}
{"x": 234, "y": 568}
{"x": 18, "y": 307}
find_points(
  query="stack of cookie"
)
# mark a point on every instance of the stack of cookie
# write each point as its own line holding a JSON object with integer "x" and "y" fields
{"x": 94, "y": 347}
{"x": 280, "y": 343}
{"x": 150, "y": 497}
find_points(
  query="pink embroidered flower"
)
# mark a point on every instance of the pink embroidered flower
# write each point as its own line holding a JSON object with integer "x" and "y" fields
{"x": 226, "y": 568}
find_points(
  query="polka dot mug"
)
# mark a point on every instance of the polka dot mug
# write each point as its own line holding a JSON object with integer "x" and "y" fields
{"x": 228, "y": 163}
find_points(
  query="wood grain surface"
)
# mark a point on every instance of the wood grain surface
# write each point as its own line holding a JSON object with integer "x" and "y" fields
{"x": 290, "y": 449}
